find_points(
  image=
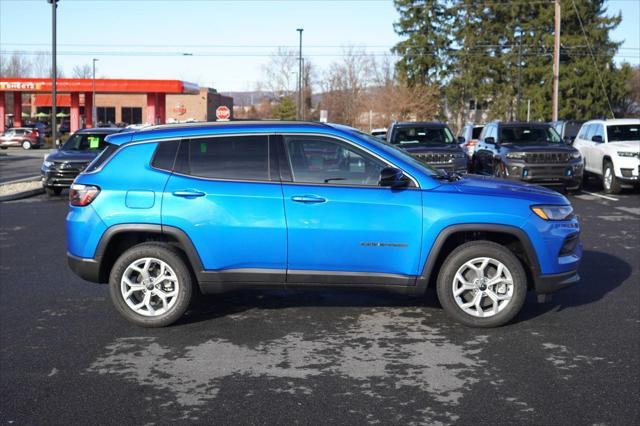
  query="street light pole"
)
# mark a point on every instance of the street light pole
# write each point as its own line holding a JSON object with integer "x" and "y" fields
{"x": 93, "y": 98}
{"x": 556, "y": 62}
{"x": 54, "y": 71}
{"x": 519, "y": 74}
{"x": 300, "y": 108}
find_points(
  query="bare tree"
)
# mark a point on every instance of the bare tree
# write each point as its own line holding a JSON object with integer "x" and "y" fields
{"x": 17, "y": 65}
{"x": 82, "y": 71}
{"x": 41, "y": 64}
{"x": 345, "y": 84}
{"x": 280, "y": 73}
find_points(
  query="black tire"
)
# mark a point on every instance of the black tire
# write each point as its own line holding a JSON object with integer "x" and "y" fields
{"x": 52, "y": 192}
{"x": 466, "y": 252}
{"x": 175, "y": 260}
{"x": 3, "y": 147}
{"x": 614, "y": 187}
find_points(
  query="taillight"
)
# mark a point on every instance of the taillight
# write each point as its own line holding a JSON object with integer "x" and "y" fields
{"x": 82, "y": 195}
{"x": 472, "y": 142}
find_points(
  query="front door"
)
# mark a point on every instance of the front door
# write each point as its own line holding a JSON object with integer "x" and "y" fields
{"x": 342, "y": 227}
{"x": 222, "y": 195}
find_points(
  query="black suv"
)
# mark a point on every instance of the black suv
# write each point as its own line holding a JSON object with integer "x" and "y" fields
{"x": 531, "y": 152}
{"x": 61, "y": 167}
{"x": 431, "y": 142}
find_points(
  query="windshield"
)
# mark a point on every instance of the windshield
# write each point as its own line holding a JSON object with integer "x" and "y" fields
{"x": 422, "y": 136}
{"x": 85, "y": 141}
{"x": 524, "y": 134}
{"x": 623, "y": 133}
{"x": 400, "y": 152}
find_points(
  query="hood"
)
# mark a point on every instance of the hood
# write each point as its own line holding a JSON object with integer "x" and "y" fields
{"x": 485, "y": 185}
{"x": 443, "y": 149}
{"x": 632, "y": 146}
{"x": 530, "y": 147}
{"x": 61, "y": 155}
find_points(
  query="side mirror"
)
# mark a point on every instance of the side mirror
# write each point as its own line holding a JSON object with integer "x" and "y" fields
{"x": 461, "y": 139}
{"x": 392, "y": 177}
{"x": 567, "y": 140}
{"x": 597, "y": 138}
{"x": 490, "y": 140}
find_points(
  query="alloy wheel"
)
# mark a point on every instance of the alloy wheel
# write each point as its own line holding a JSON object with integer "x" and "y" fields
{"x": 483, "y": 287}
{"x": 149, "y": 287}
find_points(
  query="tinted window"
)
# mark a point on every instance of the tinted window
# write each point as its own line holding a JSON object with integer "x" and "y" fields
{"x": 528, "y": 134}
{"x": 165, "y": 155}
{"x": 322, "y": 160}
{"x": 85, "y": 141}
{"x": 421, "y": 135}
{"x": 571, "y": 128}
{"x": 102, "y": 157}
{"x": 236, "y": 158}
{"x": 627, "y": 132}
{"x": 475, "y": 134}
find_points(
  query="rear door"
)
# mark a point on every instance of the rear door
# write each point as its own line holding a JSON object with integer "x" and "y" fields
{"x": 224, "y": 195}
{"x": 343, "y": 228}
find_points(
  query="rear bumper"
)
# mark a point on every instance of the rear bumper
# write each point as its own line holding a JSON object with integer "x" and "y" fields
{"x": 87, "y": 269}
{"x": 546, "y": 284}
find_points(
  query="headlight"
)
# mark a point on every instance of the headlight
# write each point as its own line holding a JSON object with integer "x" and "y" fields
{"x": 516, "y": 155}
{"x": 553, "y": 212}
{"x": 47, "y": 164}
{"x": 628, "y": 154}
{"x": 576, "y": 155}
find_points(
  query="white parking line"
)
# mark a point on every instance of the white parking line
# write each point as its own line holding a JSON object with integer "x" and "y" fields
{"x": 606, "y": 197}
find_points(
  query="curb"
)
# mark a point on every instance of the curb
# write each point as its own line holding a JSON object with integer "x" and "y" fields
{"x": 27, "y": 179}
{"x": 21, "y": 195}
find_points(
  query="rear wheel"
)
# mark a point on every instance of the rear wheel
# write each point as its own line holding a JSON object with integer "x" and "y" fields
{"x": 150, "y": 285}
{"x": 610, "y": 182}
{"x": 482, "y": 284}
{"x": 26, "y": 145}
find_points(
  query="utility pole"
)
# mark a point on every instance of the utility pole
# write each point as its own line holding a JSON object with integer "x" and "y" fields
{"x": 300, "y": 75}
{"x": 54, "y": 71}
{"x": 556, "y": 61}
{"x": 519, "y": 74}
{"x": 93, "y": 99}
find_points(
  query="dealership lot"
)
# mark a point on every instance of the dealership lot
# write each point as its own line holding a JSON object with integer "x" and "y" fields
{"x": 20, "y": 164}
{"x": 309, "y": 357}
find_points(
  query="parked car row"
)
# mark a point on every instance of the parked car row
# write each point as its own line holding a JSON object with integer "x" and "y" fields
{"x": 560, "y": 154}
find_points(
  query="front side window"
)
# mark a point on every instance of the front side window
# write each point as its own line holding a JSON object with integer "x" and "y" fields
{"x": 623, "y": 133}
{"x": 229, "y": 157}
{"x": 85, "y": 141}
{"x": 422, "y": 136}
{"x": 327, "y": 161}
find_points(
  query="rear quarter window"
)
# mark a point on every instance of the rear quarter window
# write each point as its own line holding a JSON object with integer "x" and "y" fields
{"x": 104, "y": 155}
{"x": 165, "y": 155}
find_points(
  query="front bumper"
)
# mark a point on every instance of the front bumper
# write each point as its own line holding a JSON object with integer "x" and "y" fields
{"x": 568, "y": 174}
{"x": 546, "y": 284}
{"x": 58, "y": 179}
{"x": 87, "y": 269}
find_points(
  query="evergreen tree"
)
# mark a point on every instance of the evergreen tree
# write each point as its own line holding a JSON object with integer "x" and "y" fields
{"x": 286, "y": 109}
{"x": 424, "y": 23}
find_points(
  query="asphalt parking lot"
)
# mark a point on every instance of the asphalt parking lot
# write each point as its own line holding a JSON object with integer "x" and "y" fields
{"x": 20, "y": 164}
{"x": 318, "y": 357}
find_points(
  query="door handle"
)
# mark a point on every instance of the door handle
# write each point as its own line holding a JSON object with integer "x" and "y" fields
{"x": 308, "y": 199}
{"x": 188, "y": 193}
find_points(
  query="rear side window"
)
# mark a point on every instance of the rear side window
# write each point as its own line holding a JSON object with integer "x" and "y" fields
{"x": 101, "y": 158}
{"x": 233, "y": 158}
{"x": 165, "y": 155}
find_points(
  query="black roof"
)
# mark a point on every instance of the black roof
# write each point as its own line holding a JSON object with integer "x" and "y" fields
{"x": 101, "y": 130}
{"x": 419, "y": 123}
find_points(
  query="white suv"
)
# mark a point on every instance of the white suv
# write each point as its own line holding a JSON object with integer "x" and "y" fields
{"x": 611, "y": 150}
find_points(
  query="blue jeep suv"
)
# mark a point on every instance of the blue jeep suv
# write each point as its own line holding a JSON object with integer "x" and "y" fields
{"x": 168, "y": 212}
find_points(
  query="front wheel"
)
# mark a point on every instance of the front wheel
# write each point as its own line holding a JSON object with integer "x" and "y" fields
{"x": 150, "y": 285}
{"x": 482, "y": 284}
{"x": 26, "y": 145}
{"x": 610, "y": 182}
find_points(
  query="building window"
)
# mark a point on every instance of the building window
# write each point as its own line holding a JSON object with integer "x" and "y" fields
{"x": 106, "y": 115}
{"x": 132, "y": 115}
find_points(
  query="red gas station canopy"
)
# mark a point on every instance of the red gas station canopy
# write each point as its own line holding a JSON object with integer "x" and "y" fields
{"x": 103, "y": 85}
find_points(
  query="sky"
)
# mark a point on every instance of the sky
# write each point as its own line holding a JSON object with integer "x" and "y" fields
{"x": 222, "y": 44}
